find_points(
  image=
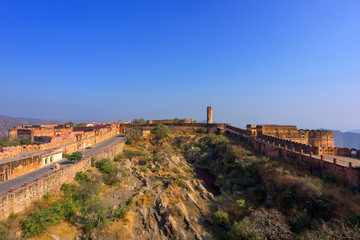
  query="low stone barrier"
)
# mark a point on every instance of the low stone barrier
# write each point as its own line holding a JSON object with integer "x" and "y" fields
{"x": 17, "y": 200}
{"x": 291, "y": 154}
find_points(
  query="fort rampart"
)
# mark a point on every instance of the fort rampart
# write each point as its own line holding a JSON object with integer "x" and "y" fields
{"x": 68, "y": 145}
{"x": 19, "y": 199}
{"x": 187, "y": 127}
{"x": 295, "y": 152}
{"x": 27, "y": 162}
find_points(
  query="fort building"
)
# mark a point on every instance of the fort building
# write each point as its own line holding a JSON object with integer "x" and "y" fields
{"x": 136, "y": 132}
{"x": 185, "y": 120}
{"x": 25, "y": 163}
{"x": 315, "y": 138}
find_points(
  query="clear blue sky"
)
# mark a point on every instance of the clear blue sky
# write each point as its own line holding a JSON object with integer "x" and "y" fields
{"x": 286, "y": 62}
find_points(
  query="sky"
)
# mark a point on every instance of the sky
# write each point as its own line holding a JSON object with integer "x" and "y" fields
{"x": 256, "y": 61}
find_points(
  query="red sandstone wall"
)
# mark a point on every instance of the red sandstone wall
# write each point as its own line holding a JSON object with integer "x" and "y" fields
{"x": 187, "y": 127}
{"x": 20, "y": 199}
{"x": 272, "y": 149}
{"x": 103, "y": 134}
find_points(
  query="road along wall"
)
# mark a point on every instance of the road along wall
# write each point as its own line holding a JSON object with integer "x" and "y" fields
{"x": 14, "y": 167}
{"x": 69, "y": 145}
{"x": 17, "y": 200}
{"x": 293, "y": 152}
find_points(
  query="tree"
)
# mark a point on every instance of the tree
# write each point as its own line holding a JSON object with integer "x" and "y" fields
{"x": 76, "y": 156}
{"x": 70, "y": 123}
{"x": 138, "y": 121}
{"x": 161, "y": 131}
{"x": 176, "y": 120}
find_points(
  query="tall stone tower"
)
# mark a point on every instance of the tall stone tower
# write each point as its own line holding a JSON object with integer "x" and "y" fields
{"x": 209, "y": 114}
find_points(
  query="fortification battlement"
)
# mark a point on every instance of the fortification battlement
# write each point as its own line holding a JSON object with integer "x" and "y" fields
{"x": 69, "y": 144}
{"x": 316, "y": 138}
{"x": 292, "y": 151}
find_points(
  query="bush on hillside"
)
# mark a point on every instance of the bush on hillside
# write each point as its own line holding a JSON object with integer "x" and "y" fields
{"x": 82, "y": 178}
{"x": 108, "y": 168}
{"x": 161, "y": 131}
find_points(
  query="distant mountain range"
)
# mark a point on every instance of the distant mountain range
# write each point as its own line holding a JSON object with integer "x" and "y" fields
{"x": 355, "y": 131}
{"x": 347, "y": 139}
{"x": 7, "y": 122}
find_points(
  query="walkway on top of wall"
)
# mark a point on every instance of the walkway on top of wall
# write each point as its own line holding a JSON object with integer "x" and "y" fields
{"x": 18, "y": 182}
{"x": 343, "y": 161}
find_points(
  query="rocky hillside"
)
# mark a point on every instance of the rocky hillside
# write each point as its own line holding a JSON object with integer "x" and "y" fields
{"x": 7, "y": 122}
{"x": 152, "y": 191}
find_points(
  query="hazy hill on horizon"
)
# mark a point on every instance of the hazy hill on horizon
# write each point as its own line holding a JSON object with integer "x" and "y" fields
{"x": 7, "y": 122}
{"x": 354, "y": 131}
{"x": 347, "y": 139}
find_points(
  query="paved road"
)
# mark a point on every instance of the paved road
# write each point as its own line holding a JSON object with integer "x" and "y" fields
{"x": 16, "y": 183}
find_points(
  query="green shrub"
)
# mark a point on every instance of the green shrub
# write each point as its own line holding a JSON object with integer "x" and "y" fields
{"x": 242, "y": 231}
{"x": 180, "y": 183}
{"x": 88, "y": 147}
{"x": 260, "y": 195}
{"x": 221, "y": 217}
{"x": 120, "y": 213}
{"x": 76, "y": 156}
{"x": 41, "y": 220}
{"x": 94, "y": 215}
{"x": 89, "y": 226}
{"x": 302, "y": 222}
{"x": 319, "y": 208}
{"x": 126, "y": 154}
{"x": 161, "y": 131}
{"x": 13, "y": 216}
{"x": 106, "y": 166}
{"x": 86, "y": 191}
{"x": 4, "y": 233}
{"x": 288, "y": 198}
{"x": 130, "y": 202}
{"x": 129, "y": 140}
{"x": 47, "y": 196}
{"x": 81, "y": 178}
{"x": 25, "y": 142}
{"x": 202, "y": 130}
{"x": 240, "y": 203}
{"x": 143, "y": 168}
{"x": 327, "y": 176}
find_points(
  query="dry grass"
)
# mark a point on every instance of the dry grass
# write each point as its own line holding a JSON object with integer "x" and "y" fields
{"x": 122, "y": 228}
{"x": 145, "y": 199}
{"x": 63, "y": 230}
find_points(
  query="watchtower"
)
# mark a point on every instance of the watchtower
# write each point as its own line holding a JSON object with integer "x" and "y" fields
{"x": 209, "y": 114}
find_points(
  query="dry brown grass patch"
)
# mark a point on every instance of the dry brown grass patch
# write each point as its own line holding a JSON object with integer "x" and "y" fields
{"x": 145, "y": 199}
{"x": 121, "y": 228}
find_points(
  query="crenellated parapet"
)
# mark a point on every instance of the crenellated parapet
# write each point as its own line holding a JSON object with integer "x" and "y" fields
{"x": 310, "y": 156}
{"x": 315, "y": 138}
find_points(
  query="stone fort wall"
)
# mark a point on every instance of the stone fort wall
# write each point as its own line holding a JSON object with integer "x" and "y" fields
{"x": 179, "y": 127}
{"x": 19, "y": 199}
{"x": 294, "y": 152}
{"x": 316, "y": 138}
{"x": 68, "y": 145}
